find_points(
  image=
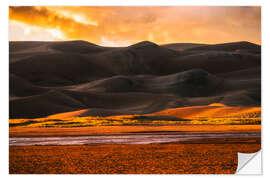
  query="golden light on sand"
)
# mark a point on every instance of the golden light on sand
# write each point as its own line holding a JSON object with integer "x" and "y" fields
{"x": 217, "y": 104}
{"x": 120, "y": 26}
{"x": 188, "y": 115}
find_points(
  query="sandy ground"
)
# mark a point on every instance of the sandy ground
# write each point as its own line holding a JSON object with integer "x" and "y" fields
{"x": 128, "y": 159}
{"x": 212, "y": 156}
{"x": 75, "y": 131}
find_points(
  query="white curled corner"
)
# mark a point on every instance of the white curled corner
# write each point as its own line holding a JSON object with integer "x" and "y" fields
{"x": 249, "y": 163}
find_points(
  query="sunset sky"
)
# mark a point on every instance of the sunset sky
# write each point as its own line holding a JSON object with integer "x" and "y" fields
{"x": 122, "y": 26}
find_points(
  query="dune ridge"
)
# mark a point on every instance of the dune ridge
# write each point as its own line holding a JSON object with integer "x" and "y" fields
{"x": 48, "y": 78}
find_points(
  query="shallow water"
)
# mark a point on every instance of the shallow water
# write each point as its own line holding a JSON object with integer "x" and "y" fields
{"x": 127, "y": 138}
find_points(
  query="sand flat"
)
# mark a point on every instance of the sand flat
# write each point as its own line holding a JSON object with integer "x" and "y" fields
{"x": 18, "y": 131}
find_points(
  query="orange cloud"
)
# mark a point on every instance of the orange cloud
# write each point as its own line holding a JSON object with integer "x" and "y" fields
{"x": 42, "y": 17}
{"x": 127, "y": 25}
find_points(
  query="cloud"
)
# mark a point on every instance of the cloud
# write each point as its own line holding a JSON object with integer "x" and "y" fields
{"x": 42, "y": 17}
{"x": 118, "y": 25}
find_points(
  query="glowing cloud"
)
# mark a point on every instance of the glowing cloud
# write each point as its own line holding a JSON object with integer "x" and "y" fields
{"x": 115, "y": 26}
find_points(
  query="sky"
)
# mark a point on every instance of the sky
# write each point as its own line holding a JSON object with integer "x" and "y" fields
{"x": 123, "y": 26}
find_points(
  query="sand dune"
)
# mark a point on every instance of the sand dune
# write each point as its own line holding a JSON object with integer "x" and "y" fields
{"x": 182, "y": 46}
{"x": 211, "y": 111}
{"x": 214, "y": 110}
{"x": 48, "y": 78}
{"x": 195, "y": 82}
{"x": 64, "y": 101}
{"x": 44, "y": 104}
{"x": 21, "y": 87}
{"x": 217, "y": 61}
{"x": 87, "y": 112}
{"x": 250, "y": 73}
{"x": 233, "y": 46}
{"x": 78, "y": 47}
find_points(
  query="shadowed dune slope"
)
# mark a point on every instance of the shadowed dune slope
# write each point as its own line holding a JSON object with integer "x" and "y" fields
{"x": 195, "y": 82}
{"x": 216, "y": 61}
{"x": 182, "y": 46}
{"x": 21, "y": 87}
{"x": 48, "y": 78}
{"x": 42, "y": 105}
{"x": 250, "y": 73}
{"x": 59, "y": 69}
{"x": 78, "y": 47}
{"x": 234, "y": 46}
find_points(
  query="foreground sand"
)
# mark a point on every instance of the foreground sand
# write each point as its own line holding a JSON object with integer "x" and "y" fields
{"x": 128, "y": 159}
{"x": 209, "y": 156}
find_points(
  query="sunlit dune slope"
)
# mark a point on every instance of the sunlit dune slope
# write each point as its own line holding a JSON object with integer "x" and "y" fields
{"x": 67, "y": 114}
{"x": 213, "y": 114}
{"x": 212, "y": 111}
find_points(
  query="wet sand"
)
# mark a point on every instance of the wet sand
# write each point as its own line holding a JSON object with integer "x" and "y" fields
{"x": 145, "y": 137}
